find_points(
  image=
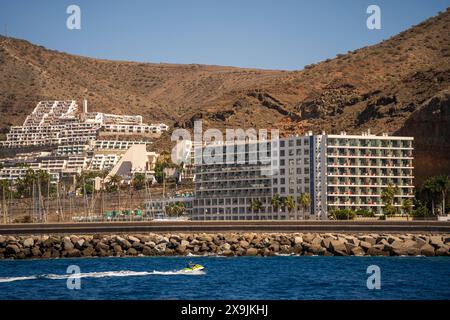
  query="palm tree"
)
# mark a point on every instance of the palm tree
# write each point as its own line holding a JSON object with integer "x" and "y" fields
{"x": 138, "y": 181}
{"x": 255, "y": 205}
{"x": 4, "y": 186}
{"x": 113, "y": 182}
{"x": 407, "y": 206}
{"x": 442, "y": 184}
{"x": 175, "y": 209}
{"x": 289, "y": 203}
{"x": 304, "y": 200}
{"x": 431, "y": 188}
{"x": 387, "y": 197}
{"x": 276, "y": 202}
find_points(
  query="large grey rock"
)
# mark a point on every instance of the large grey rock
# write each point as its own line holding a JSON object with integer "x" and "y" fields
{"x": 184, "y": 243}
{"x": 28, "y": 242}
{"x": 298, "y": 240}
{"x": 117, "y": 249}
{"x": 67, "y": 244}
{"x": 358, "y": 251}
{"x": 132, "y": 252}
{"x": 365, "y": 245}
{"x": 316, "y": 249}
{"x": 368, "y": 239}
{"x": 147, "y": 251}
{"x": 337, "y": 245}
{"x": 427, "y": 250}
{"x": 12, "y": 249}
{"x": 88, "y": 252}
{"x": 73, "y": 253}
{"x": 244, "y": 244}
{"x": 161, "y": 247}
{"x": 133, "y": 239}
{"x": 436, "y": 241}
{"x": 443, "y": 250}
{"x": 36, "y": 252}
{"x": 225, "y": 247}
{"x": 181, "y": 249}
{"x": 80, "y": 243}
{"x": 102, "y": 246}
{"x": 374, "y": 251}
{"x": 251, "y": 252}
{"x": 326, "y": 242}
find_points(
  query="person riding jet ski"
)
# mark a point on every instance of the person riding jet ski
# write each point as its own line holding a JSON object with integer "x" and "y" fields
{"x": 193, "y": 267}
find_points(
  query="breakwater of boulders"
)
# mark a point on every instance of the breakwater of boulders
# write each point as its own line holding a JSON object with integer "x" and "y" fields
{"x": 224, "y": 244}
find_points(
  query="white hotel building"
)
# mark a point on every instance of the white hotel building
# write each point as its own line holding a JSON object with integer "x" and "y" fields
{"x": 337, "y": 171}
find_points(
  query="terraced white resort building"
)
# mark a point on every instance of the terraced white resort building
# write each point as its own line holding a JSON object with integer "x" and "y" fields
{"x": 336, "y": 171}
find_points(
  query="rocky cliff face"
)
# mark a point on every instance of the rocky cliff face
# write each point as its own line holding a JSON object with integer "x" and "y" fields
{"x": 389, "y": 87}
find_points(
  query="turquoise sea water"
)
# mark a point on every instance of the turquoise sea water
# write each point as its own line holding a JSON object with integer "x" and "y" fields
{"x": 228, "y": 278}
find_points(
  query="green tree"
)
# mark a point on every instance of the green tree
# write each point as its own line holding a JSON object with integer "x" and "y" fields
{"x": 442, "y": 184}
{"x": 139, "y": 181}
{"x": 304, "y": 200}
{"x": 113, "y": 183}
{"x": 407, "y": 206}
{"x": 289, "y": 203}
{"x": 175, "y": 209}
{"x": 255, "y": 205}
{"x": 276, "y": 202}
{"x": 343, "y": 214}
{"x": 387, "y": 197}
{"x": 431, "y": 188}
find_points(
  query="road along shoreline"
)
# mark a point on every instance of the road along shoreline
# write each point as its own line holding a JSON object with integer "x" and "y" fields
{"x": 224, "y": 244}
{"x": 227, "y": 226}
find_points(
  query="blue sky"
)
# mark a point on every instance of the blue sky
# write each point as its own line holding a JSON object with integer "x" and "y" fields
{"x": 268, "y": 34}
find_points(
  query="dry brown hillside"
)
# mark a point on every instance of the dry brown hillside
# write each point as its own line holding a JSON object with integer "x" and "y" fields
{"x": 400, "y": 86}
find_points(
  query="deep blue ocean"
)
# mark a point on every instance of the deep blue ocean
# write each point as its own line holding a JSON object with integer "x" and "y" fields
{"x": 227, "y": 278}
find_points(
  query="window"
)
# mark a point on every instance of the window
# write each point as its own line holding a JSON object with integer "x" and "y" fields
{"x": 299, "y": 152}
{"x": 299, "y": 170}
{"x": 282, "y": 181}
{"x": 275, "y": 181}
{"x": 282, "y": 162}
{"x": 282, "y": 153}
{"x": 299, "y": 142}
{"x": 299, "y": 180}
{"x": 291, "y": 143}
{"x": 282, "y": 143}
{"x": 299, "y": 161}
{"x": 291, "y": 162}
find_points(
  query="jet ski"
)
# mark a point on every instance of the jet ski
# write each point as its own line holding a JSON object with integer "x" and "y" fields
{"x": 194, "y": 267}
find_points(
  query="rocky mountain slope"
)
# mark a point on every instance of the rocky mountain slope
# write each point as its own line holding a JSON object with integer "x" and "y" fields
{"x": 400, "y": 86}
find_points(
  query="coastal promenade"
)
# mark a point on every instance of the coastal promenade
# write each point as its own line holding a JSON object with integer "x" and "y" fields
{"x": 227, "y": 226}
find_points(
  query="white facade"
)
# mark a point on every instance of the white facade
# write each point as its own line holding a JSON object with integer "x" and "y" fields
{"x": 336, "y": 171}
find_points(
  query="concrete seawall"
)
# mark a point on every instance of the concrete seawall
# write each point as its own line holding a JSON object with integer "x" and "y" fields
{"x": 224, "y": 244}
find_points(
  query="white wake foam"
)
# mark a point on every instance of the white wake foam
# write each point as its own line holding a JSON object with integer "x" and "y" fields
{"x": 11, "y": 279}
{"x": 104, "y": 274}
